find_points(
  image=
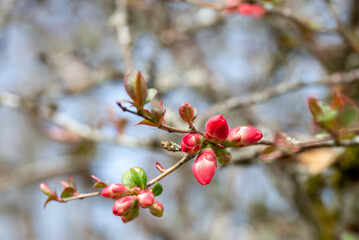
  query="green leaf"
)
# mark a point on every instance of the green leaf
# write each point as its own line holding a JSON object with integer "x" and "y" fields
{"x": 350, "y": 116}
{"x": 100, "y": 185}
{"x": 51, "y": 198}
{"x": 135, "y": 86}
{"x": 327, "y": 116}
{"x": 71, "y": 182}
{"x": 349, "y": 236}
{"x": 151, "y": 94}
{"x": 157, "y": 189}
{"x": 127, "y": 179}
{"x": 322, "y": 135}
{"x": 139, "y": 177}
{"x": 146, "y": 122}
{"x": 68, "y": 192}
{"x": 314, "y": 107}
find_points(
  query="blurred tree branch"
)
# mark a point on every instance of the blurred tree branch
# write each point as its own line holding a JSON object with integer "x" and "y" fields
{"x": 283, "y": 88}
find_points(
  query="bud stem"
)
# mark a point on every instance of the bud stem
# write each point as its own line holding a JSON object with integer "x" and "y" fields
{"x": 80, "y": 196}
{"x": 169, "y": 170}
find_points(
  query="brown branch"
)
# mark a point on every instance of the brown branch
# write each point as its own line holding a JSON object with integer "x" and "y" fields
{"x": 119, "y": 21}
{"x": 270, "y": 8}
{"x": 164, "y": 127}
{"x": 348, "y": 35}
{"x": 49, "y": 113}
{"x": 283, "y": 88}
{"x": 170, "y": 170}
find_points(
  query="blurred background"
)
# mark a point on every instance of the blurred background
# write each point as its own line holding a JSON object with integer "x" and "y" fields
{"x": 61, "y": 68}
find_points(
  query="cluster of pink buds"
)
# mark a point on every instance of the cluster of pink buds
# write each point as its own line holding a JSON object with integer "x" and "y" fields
{"x": 212, "y": 146}
{"x": 245, "y": 9}
{"x": 130, "y": 198}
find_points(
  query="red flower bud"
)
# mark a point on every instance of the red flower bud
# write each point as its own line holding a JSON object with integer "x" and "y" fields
{"x": 191, "y": 143}
{"x": 217, "y": 128}
{"x": 116, "y": 190}
{"x": 205, "y": 166}
{"x": 244, "y": 136}
{"x": 145, "y": 198}
{"x": 125, "y": 205}
{"x": 156, "y": 209}
{"x": 253, "y": 10}
{"x": 223, "y": 155}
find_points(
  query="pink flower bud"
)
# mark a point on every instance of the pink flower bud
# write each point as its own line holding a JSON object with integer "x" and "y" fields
{"x": 191, "y": 143}
{"x": 205, "y": 166}
{"x": 156, "y": 209}
{"x": 124, "y": 205}
{"x": 145, "y": 198}
{"x": 253, "y": 10}
{"x": 223, "y": 156}
{"x": 243, "y": 136}
{"x": 131, "y": 215}
{"x": 116, "y": 190}
{"x": 217, "y": 128}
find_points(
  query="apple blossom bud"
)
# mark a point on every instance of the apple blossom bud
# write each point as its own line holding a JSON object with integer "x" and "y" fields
{"x": 217, "y": 128}
{"x": 116, "y": 190}
{"x": 223, "y": 155}
{"x": 124, "y": 205}
{"x": 191, "y": 143}
{"x": 253, "y": 10}
{"x": 145, "y": 198}
{"x": 156, "y": 209}
{"x": 205, "y": 166}
{"x": 243, "y": 136}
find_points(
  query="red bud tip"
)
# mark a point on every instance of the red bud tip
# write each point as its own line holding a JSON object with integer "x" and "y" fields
{"x": 95, "y": 178}
{"x": 159, "y": 167}
{"x": 217, "y": 128}
{"x": 205, "y": 166}
{"x": 191, "y": 143}
{"x": 145, "y": 198}
{"x": 253, "y": 10}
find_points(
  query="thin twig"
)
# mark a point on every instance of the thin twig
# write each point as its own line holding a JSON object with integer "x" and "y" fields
{"x": 346, "y": 32}
{"x": 170, "y": 170}
{"x": 80, "y": 196}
